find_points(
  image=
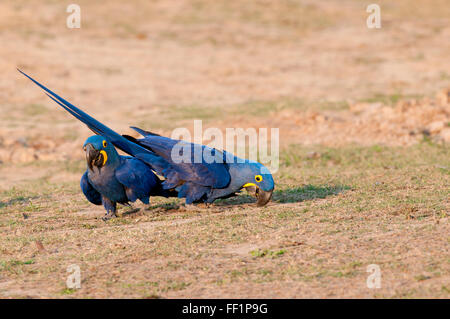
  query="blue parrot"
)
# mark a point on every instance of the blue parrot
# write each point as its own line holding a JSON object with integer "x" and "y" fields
{"x": 195, "y": 179}
{"x": 111, "y": 178}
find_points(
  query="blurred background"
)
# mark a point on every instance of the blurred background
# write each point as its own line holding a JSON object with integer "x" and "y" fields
{"x": 160, "y": 64}
{"x": 364, "y": 117}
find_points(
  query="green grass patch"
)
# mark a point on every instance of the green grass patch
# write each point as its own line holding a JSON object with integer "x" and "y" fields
{"x": 68, "y": 291}
{"x": 259, "y": 253}
{"x": 390, "y": 99}
{"x": 307, "y": 192}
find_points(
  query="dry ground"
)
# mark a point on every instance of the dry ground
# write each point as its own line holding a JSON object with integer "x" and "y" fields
{"x": 364, "y": 159}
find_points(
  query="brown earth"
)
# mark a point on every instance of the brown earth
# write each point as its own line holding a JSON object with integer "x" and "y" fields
{"x": 368, "y": 109}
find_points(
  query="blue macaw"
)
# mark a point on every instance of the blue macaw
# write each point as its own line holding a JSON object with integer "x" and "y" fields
{"x": 111, "y": 178}
{"x": 197, "y": 180}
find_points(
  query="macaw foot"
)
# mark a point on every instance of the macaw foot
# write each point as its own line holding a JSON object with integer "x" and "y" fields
{"x": 204, "y": 205}
{"x": 108, "y": 216}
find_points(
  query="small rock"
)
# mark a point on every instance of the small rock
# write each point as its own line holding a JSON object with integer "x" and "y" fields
{"x": 141, "y": 36}
{"x": 39, "y": 245}
{"x": 443, "y": 97}
{"x": 22, "y": 141}
{"x": 313, "y": 155}
{"x": 445, "y": 135}
{"x": 403, "y": 105}
{"x": 426, "y": 132}
{"x": 4, "y": 155}
{"x": 436, "y": 126}
{"x": 23, "y": 155}
{"x": 358, "y": 107}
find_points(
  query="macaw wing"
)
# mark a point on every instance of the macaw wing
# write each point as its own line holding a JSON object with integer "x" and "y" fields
{"x": 89, "y": 191}
{"x": 138, "y": 179}
{"x": 206, "y": 174}
{"x": 190, "y": 167}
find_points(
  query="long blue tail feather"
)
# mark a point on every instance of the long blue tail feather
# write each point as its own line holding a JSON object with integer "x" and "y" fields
{"x": 118, "y": 140}
{"x": 95, "y": 130}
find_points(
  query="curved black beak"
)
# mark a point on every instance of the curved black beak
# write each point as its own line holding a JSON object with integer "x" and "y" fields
{"x": 263, "y": 197}
{"x": 93, "y": 156}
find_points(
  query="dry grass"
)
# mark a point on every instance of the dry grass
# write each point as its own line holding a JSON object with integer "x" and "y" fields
{"x": 343, "y": 200}
{"x": 330, "y": 218}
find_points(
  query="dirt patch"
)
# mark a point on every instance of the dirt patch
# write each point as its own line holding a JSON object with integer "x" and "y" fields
{"x": 405, "y": 123}
{"x": 313, "y": 69}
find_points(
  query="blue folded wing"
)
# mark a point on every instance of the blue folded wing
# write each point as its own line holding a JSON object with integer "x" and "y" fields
{"x": 211, "y": 174}
{"x": 138, "y": 179}
{"x": 91, "y": 194}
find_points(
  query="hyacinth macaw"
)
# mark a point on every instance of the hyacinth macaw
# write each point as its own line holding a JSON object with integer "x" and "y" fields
{"x": 196, "y": 180}
{"x": 111, "y": 178}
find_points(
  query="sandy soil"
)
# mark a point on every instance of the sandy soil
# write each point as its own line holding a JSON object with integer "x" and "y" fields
{"x": 311, "y": 68}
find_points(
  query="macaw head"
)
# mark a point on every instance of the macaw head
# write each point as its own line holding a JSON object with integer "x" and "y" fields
{"x": 99, "y": 151}
{"x": 258, "y": 178}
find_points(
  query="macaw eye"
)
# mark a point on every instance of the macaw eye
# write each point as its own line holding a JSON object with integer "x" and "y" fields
{"x": 105, "y": 144}
{"x": 258, "y": 178}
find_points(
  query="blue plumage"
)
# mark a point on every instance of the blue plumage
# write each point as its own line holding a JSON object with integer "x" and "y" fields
{"x": 89, "y": 191}
{"x": 196, "y": 178}
{"x": 111, "y": 178}
{"x": 193, "y": 169}
{"x": 200, "y": 180}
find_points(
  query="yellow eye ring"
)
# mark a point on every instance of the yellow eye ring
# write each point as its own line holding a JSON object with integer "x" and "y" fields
{"x": 258, "y": 178}
{"x": 105, "y": 144}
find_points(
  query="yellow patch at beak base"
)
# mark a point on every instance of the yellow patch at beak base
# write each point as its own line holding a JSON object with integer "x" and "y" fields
{"x": 249, "y": 184}
{"x": 105, "y": 157}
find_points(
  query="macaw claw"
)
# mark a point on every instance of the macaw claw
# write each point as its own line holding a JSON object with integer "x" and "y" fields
{"x": 108, "y": 216}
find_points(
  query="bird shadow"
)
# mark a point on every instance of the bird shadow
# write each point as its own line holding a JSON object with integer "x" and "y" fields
{"x": 16, "y": 200}
{"x": 131, "y": 212}
{"x": 290, "y": 195}
{"x": 164, "y": 208}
